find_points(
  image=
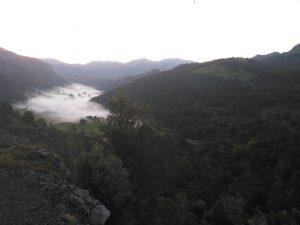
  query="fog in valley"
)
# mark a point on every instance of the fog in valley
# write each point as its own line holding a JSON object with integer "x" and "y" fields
{"x": 65, "y": 104}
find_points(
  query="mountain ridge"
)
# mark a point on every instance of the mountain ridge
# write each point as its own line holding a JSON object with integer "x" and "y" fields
{"x": 191, "y": 82}
{"x": 18, "y": 74}
{"x": 112, "y": 69}
{"x": 289, "y": 60}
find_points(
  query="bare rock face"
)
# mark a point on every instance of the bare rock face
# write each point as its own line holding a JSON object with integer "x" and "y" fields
{"x": 99, "y": 215}
{"x": 87, "y": 205}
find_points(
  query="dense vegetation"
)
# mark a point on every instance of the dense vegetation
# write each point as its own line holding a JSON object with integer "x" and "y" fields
{"x": 215, "y": 143}
{"x": 236, "y": 155}
{"x": 19, "y": 74}
{"x": 146, "y": 175}
{"x": 192, "y": 99}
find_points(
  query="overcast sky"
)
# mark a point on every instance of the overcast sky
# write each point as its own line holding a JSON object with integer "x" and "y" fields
{"x": 79, "y": 31}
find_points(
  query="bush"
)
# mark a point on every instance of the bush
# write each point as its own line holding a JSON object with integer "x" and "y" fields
{"x": 228, "y": 210}
{"x": 103, "y": 174}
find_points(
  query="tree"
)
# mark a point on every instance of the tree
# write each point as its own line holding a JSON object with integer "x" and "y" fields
{"x": 28, "y": 117}
{"x": 124, "y": 119}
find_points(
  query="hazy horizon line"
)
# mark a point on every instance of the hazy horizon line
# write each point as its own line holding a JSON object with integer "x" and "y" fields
{"x": 140, "y": 58}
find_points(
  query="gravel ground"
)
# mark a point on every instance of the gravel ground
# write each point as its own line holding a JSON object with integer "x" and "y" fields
{"x": 24, "y": 200}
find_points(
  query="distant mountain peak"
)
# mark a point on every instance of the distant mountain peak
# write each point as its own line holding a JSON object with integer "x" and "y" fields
{"x": 285, "y": 61}
{"x": 52, "y": 61}
{"x": 113, "y": 69}
{"x": 295, "y": 49}
{"x": 141, "y": 60}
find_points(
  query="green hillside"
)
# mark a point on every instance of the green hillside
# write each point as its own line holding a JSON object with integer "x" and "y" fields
{"x": 217, "y": 149}
{"x": 213, "y": 143}
{"x": 237, "y": 126}
{"x": 285, "y": 61}
{"x": 186, "y": 97}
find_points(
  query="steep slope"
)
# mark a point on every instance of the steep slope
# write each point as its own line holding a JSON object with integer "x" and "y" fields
{"x": 33, "y": 172}
{"x": 288, "y": 60}
{"x": 187, "y": 97}
{"x": 242, "y": 119}
{"x": 19, "y": 74}
{"x": 70, "y": 72}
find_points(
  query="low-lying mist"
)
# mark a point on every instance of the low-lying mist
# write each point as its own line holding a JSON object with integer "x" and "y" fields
{"x": 65, "y": 104}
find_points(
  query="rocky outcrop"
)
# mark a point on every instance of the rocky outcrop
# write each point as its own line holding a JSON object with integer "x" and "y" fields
{"x": 80, "y": 202}
{"x": 99, "y": 215}
{"x": 32, "y": 198}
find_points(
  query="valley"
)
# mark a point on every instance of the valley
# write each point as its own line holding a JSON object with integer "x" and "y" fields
{"x": 149, "y": 112}
{"x": 211, "y": 143}
{"x": 68, "y": 103}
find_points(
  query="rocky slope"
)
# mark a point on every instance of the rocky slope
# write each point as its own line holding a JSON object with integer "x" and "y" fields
{"x": 35, "y": 199}
{"x": 33, "y": 186}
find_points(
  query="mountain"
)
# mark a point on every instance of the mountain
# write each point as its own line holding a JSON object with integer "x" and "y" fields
{"x": 186, "y": 97}
{"x": 238, "y": 121}
{"x": 286, "y": 61}
{"x": 220, "y": 148}
{"x": 114, "y": 70}
{"x": 109, "y": 84}
{"x": 110, "y": 69}
{"x": 19, "y": 74}
{"x": 69, "y": 72}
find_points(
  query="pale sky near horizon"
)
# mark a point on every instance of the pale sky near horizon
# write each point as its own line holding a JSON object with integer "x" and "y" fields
{"x": 80, "y": 31}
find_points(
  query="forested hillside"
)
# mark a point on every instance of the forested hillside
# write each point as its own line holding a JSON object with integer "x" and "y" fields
{"x": 288, "y": 60}
{"x": 213, "y": 143}
{"x": 188, "y": 97}
{"x": 240, "y": 122}
{"x": 19, "y": 74}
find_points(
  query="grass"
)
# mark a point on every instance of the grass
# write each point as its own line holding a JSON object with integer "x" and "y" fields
{"x": 25, "y": 156}
{"x": 87, "y": 128}
{"x": 225, "y": 73}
